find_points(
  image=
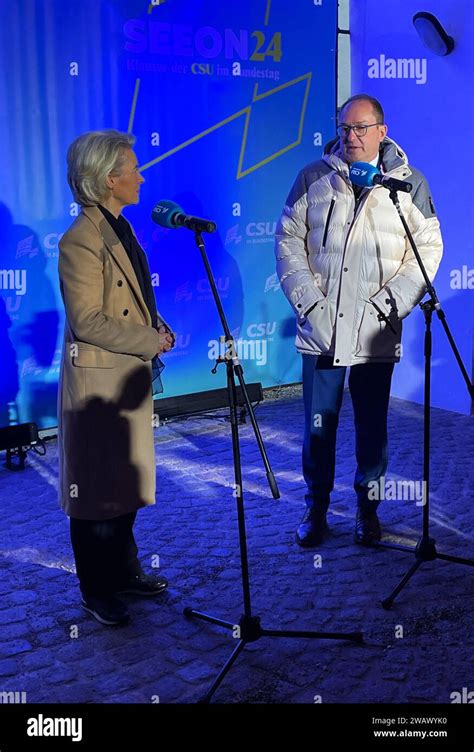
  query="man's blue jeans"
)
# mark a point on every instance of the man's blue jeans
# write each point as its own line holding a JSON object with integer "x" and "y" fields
{"x": 323, "y": 386}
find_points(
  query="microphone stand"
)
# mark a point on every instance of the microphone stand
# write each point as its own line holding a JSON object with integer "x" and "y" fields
{"x": 425, "y": 549}
{"x": 249, "y": 628}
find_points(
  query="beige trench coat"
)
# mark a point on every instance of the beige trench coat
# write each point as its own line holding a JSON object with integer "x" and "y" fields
{"x": 105, "y": 406}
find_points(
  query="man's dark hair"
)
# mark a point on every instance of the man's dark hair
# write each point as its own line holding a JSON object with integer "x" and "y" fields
{"x": 376, "y": 106}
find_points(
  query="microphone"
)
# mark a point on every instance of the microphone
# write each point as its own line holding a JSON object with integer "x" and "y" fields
{"x": 366, "y": 175}
{"x": 169, "y": 214}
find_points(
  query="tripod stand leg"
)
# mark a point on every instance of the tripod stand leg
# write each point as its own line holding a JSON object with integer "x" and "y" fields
{"x": 353, "y": 636}
{"x": 388, "y": 602}
{"x": 224, "y": 670}
{"x": 455, "y": 559}
{"x": 190, "y": 613}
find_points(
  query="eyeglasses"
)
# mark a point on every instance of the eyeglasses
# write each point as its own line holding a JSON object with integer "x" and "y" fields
{"x": 359, "y": 130}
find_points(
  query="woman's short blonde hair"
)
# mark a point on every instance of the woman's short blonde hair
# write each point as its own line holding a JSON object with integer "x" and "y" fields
{"x": 92, "y": 157}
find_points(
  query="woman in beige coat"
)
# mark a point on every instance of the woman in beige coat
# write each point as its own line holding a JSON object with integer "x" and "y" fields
{"x": 112, "y": 338}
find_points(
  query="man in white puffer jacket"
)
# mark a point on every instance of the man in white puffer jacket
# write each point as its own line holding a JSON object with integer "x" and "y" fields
{"x": 346, "y": 267}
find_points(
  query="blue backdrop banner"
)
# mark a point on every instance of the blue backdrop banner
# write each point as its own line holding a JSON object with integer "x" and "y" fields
{"x": 227, "y": 102}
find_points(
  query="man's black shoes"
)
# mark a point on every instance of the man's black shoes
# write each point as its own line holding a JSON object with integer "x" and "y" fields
{"x": 144, "y": 585}
{"x": 367, "y": 531}
{"x": 313, "y": 529}
{"x": 107, "y": 609}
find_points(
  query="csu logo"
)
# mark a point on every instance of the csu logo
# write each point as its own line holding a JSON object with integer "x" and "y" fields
{"x": 255, "y": 232}
{"x": 27, "y": 247}
{"x": 272, "y": 283}
{"x": 260, "y": 229}
{"x": 202, "y": 289}
{"x": 358, "y": 171}
{"x": 233, "y": 236}
{"x": 203, "y": 285}
{"x": 261, "y": 330}
{"x": 183, "y": 292}
{"x": 202, "y": 69}
{"x": 51, "y": 240}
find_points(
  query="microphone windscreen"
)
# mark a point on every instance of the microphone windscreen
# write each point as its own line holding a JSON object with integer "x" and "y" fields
{"x": 363, "y": 173}
{"x": 164, "y": 212}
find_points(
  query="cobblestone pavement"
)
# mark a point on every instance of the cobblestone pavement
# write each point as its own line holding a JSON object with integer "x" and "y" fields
{"x": 420, "y": 651}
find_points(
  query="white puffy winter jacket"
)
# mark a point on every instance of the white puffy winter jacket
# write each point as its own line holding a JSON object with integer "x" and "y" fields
{"x": 342, "y": 262}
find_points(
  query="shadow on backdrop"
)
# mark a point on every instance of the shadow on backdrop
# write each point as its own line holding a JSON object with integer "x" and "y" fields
{"x": 28, "y": 327}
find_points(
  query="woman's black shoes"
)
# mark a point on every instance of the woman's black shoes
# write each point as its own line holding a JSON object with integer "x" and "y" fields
{"x": 107, "y": 609}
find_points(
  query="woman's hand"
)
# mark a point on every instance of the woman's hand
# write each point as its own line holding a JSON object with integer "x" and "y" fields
{"x": 166, "y": 339}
